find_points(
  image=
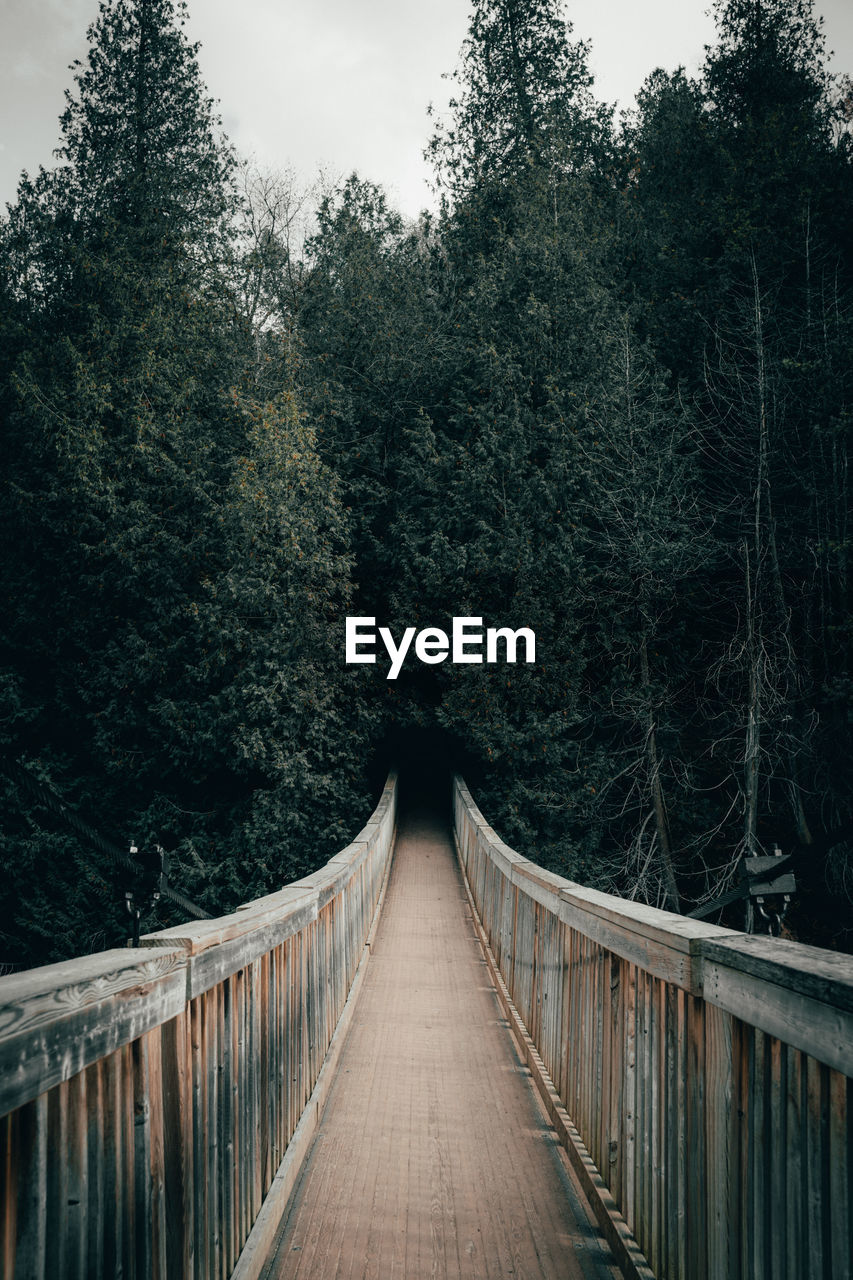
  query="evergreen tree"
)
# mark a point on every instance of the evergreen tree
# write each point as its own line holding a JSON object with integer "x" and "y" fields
{"x": 737, "y": 190}
{"x": 142, "y": 472}
{"x": 524, "y": 99}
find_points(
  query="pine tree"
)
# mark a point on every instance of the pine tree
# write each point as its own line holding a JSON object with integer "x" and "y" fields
{"x": 525, "y": 99}
{"x": 132, "y": 418}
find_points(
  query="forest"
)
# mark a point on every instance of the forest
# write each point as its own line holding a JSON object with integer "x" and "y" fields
{"x": 604, "y": 391}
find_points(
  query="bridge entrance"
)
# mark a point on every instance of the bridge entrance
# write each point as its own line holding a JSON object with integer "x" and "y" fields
{"x": 433, "y": 1156}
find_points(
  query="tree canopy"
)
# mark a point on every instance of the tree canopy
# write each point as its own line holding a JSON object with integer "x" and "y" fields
{"x": 603, "y": 393}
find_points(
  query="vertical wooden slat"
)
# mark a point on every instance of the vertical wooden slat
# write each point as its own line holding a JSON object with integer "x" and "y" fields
{"x": 97, "y": 1147}
{"x": 24, "y": 1134}
{"x": 759, "y": 1141}
{"x": 565, "y": 1011}
{"x": 602, "y": 1027}
{"x": 305, "y": 1011}
{"x": 840, "y": 1171}
{"x": 227, "y": 1160}
{"x": 9, "y": 1153}
{"x": 157, "y": 1171}
{"x": 696, "y": 1197}
{"x": 241, "y": 1095}
{"x": 629, "y": 1093}
{"x": 683, "y": 1155}
{"x": 642, "y": 1147}
{"x": 616, "y": 1071}
{"x": 263, "y": 1016}
{"x": 57, "y": 1182}
{"x": 778, "y": 1123}
{"x": 572, "y": 1094}
{"x": 722, "y": 1172}
{"x": 253, "y": 1115}
{"x": 142, "y": 1208}
{"x": 795, "y": 1199}
{"x": 178, "y": 1150}
{"x": 671, "y": 1131}
{"x": 75, "y": 1151}
{"x": 656, "y": 1244}
{"x": 201, "y": 1135}
{"x": 817, "y": 1168}
{"x": 215, "y": 1065}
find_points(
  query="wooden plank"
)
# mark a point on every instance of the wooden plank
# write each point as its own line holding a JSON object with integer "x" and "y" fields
{"x": 25, "y": 1192}
{"x": 684, "y": 1153}
{"x": 57, "y": 1182}
{"x": 275, "y": 1084}
{"x": 673, "y": 1102}
{"x": 758, "y": 1169}
{"x": 9, "y": 1188}
{"x": 97, "y": 1142}
{"x": 58, "y": 1020}
{"x": 200, "y": 1135}
{"x": 722, "y": 1177}
{"x": 140, "y": 1229}
{"x": 126, "y": 1103}
{"x": 241, "y": 1101}
{"x": 221, "y": 961}
{"x": 261, "y": 1015}
{"x": 156, "y": 1222}
{"x": 806, "y": 1022}
{"x": 227, "y": 1162}
{"x": 816, "y": 1156}
{"x": 304, "y": 1011}
{"x": 629, "y": 1096}
{"x": 817, "y": 974}
{"x": 178, "y": 1151}
{"x": 562, "y": 1080}
{"x": 586, "y": 1068}
{"x": 743, "y": 1074}
{"x": 113, "y": 1137}
{"x": 795, "y": 1188}
{"x": 642, "y": 1211}
{"x": 841, "y": 1175}
{"x": 655, "y": 1126}
{"x": 697, "y": 1228}
{"x": 572, "y": 1041}
{"x": 616, "y": 1066}
{"x": 214, "y": 1058}
{"x": 777, "y": 1112}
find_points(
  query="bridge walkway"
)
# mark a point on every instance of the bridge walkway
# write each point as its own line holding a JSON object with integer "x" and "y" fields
{"x": 433, "y": 1156}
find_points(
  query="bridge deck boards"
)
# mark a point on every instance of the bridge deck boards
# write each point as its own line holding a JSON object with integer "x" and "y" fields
{"x": 433, "y": 1157}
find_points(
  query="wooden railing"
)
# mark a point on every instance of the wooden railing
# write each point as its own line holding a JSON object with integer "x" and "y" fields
{"x": 706, "y": 1071}
{"x": 149, "y": 1097}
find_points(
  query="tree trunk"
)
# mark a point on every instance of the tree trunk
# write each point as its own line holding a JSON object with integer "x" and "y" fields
{"x": 673, "y": 900}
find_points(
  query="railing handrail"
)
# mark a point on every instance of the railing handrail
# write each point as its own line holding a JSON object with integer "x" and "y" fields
{"x": 155, "y": 1101}
{"x": 52, "y": 1018}
{"x": 691, "y": 954}
{"x": 704, "y": 1073}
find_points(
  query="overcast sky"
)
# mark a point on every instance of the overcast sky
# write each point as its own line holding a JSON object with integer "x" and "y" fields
{"x": 338, "y": 84}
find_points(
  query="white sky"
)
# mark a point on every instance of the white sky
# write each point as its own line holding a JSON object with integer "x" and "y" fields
{"x": 338, "y": 84}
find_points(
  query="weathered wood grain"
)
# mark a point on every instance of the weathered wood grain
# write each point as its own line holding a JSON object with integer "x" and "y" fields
{"x": 57, "y": 1020}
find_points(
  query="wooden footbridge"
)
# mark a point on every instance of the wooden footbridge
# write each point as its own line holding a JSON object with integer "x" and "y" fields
{"x": 430, "y": 1059}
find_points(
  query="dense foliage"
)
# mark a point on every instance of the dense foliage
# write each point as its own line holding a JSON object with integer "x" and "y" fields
{"x": 604, "y": 393}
